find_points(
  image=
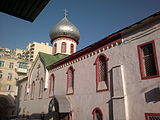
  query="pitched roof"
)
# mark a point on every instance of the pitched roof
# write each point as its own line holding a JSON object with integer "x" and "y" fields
{"x": 51, "y": 59}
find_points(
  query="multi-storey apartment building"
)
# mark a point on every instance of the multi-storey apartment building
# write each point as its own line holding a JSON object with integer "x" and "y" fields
{"x": 12, "y": 69}
{"x": 33, "y": 48}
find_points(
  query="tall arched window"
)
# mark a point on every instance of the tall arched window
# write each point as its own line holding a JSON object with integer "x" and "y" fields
{"x": 97, "y": 114}
{"x": 72, "y": 48}
{"x": 51, "y": 85}
{"x": 32, "y": 90}
{"x": 41, "y": 87}
{"x": 70, "y": 80}
{"x": 63, "y": 47}
{"x": 101, "y": 73}
{"x": 55, "y": 48}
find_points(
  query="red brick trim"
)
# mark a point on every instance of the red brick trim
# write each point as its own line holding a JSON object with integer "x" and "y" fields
{"x": 151, "y": 114}
{"x": 92, "y": 48}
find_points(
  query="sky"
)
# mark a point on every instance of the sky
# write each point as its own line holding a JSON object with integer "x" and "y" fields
{"x": 95, "y": 20}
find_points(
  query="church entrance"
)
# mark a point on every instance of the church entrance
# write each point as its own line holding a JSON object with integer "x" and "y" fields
{"x": 6, "y": 107}
{"x": 60, "y": 108}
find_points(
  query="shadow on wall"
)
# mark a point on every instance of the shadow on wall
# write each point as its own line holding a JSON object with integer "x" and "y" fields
{"x": 153, "y": 95}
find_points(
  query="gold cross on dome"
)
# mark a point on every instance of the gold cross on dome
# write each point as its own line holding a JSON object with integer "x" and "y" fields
{"x": 65, "y": 12}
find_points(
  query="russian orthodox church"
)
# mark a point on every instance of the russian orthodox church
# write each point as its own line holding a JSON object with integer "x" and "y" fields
{"x": 116, "y": 78}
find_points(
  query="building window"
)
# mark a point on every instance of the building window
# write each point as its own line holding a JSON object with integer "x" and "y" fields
{"x": 72, "y": 48}
{"x": 41, "y": 87}
{"x": 11, "y": 65}
{"x": 1, "y": 63}
{"x": 7, "y": 87}
{"x": 101, "y": 73}
{"x": 51, "y": 85}
{"x": 97, "y": 114}
{"x": 63, "y": 47}
{"x": 148, "y": 60}
{"x": 1, "y": 74}
{"x": 70, "y": 81}
{"x": 22, "y": 65}
{"x": 152, "y": 116}
{"x": 32, "y": 90}
{"x": 9, "y": 76}
{"x": 55, "y": 48}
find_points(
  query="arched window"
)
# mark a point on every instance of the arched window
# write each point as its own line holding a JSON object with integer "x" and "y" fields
{"x": 41, "y": 88}
{"x": 72, "y": 48}
{"x": 97, "y": 114}
{"x": 55, "y": 48}
{"x": 70, "y": 80}
{"x": 63, "y": 47}
{"x": 101, "y": 73}
{"x": 32, "y": 90}
{"x": 51, "y": 85}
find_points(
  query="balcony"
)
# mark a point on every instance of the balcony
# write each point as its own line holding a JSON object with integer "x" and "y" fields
{"x": 21, "y": 70}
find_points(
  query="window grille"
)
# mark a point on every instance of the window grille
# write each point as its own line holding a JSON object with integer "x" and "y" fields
{"x": 148, "y": 60}
{"x": 102, "y": 68}
{"x": 71, "y": 77}
{"x": 153, "y": 117}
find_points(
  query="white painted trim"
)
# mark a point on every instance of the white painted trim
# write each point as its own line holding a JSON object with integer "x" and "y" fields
{"x": 125, "y": 94}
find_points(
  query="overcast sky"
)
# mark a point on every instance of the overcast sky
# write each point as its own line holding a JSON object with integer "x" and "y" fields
{"x": 95, "y": 19}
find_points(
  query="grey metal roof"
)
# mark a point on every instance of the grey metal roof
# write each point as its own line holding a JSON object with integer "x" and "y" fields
{"x": 24, "y": 9}
{"x": 65, "y": 29}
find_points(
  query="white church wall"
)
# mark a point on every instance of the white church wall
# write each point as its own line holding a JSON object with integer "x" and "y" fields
{"x": 85, "y": 98}
{"x": 142, "y": 95}
{"x": 37, "y": 74}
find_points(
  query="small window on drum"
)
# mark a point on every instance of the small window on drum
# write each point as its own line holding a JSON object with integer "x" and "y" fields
{"x": 72, "y": 48}
{"x": 63, "y": 47}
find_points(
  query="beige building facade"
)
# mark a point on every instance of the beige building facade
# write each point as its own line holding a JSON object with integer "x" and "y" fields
{"x": 12, "y": 68}
{"x": 33, "y": 48}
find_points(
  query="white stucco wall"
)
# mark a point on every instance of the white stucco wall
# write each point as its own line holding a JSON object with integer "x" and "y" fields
{"x": 137, "y": 88}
